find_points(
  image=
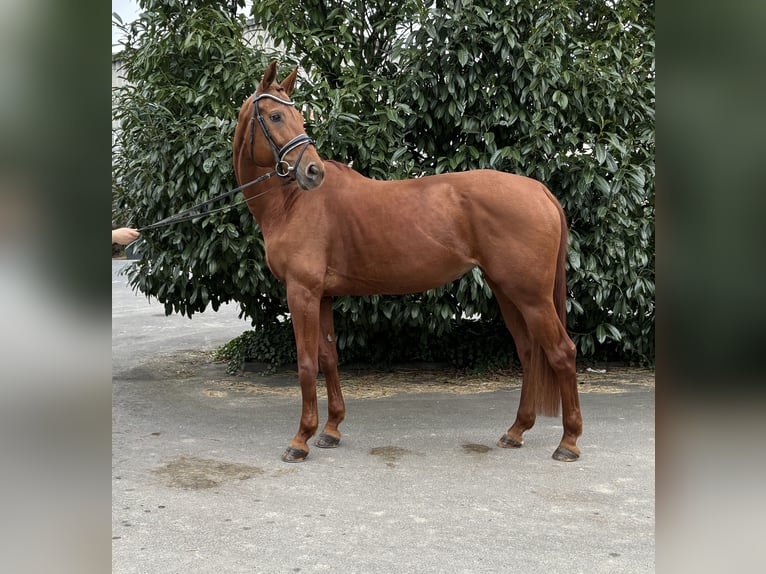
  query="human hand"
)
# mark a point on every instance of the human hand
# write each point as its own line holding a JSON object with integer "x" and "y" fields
{"x": 124, "y": 235}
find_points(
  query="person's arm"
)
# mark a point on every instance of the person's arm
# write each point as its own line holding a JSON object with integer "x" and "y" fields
{"x": 124, "y": 235}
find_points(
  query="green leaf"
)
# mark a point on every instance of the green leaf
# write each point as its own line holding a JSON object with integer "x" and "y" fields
{"x": 600, "y": 152}
{"x": 561, "y": 99}
{"x": 574, "y": 259}
{"x": 602, "y": 185}
{"x": 463, "y": 56}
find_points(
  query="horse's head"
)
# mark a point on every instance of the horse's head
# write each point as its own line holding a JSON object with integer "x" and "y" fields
{"x": 277, "y": 137}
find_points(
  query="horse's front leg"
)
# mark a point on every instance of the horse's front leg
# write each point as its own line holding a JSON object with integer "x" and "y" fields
{"x": 304, "y": 311}
{"x": 328, "y": 362}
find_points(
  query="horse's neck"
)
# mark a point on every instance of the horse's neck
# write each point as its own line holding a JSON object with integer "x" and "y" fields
{"x": 269, "y": 201}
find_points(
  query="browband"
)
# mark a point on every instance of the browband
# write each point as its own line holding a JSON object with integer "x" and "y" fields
{"x": 275, "y": 98}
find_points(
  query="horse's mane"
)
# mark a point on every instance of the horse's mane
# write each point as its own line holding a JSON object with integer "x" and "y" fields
{"x": 343, "y": 169}
{"x": 339, "y": 165}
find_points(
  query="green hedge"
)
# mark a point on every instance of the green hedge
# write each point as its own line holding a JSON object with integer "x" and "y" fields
{"x": 560, "y": 91}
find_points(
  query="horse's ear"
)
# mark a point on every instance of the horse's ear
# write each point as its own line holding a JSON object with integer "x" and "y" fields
{"x": 289, "y": 82}
{"x": 268, "y": 77}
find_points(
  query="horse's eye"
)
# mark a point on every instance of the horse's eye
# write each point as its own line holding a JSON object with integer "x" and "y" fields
{"x": 276, "y": 117}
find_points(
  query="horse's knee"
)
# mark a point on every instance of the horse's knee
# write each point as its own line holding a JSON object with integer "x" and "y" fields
{"x": 307, "y": 366}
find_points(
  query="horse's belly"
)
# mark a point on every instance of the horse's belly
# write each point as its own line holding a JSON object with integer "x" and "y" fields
{"x": 393, "y": 280}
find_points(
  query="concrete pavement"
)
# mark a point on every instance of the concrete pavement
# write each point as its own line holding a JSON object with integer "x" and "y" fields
{"x": 417, "y": 484}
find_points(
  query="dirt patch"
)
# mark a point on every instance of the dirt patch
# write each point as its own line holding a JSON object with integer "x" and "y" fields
{"x": 471, "y": 448}
{"x": 365, "y": 383}
{"x": 194, "y": 473}
{"x": 390, "y": 454}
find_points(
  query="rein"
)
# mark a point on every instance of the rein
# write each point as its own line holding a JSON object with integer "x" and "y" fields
{"x": 194, "y": 213}
{"x": 281, "y": 168}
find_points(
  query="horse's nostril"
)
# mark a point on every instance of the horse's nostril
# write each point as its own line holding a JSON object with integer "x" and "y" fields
{"x": 313, "y": 169}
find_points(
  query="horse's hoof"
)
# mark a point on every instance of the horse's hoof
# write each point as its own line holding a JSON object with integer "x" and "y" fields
{"x": 507, "y": 441}
{"x": 293, "y": 454}
{"x": 563, "y": 454}
{"x": 325, "y": 440}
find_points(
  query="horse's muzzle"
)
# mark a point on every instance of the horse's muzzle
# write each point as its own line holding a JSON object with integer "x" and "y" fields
{"x": 310, "y": 175}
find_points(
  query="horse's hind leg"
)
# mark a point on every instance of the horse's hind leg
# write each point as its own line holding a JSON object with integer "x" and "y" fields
{"x": 558, "y": 360}
{"x": 328, "y": 363}
{"x": 525, "y": 416}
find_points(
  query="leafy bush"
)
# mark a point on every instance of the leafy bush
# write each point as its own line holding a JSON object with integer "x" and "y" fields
{"x": 560, "y": 91}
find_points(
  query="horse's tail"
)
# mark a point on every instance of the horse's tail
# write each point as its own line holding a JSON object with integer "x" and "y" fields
{"x": 547, "y": 393}
{"x": 560, "y": 285}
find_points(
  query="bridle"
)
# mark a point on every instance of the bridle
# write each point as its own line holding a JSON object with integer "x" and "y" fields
{"x": 281, "y": 167}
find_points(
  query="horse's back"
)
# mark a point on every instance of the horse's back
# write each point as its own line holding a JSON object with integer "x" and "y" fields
{"x": 479, "y": 199}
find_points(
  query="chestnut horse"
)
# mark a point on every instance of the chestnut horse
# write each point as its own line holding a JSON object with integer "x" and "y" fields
{"x": 330, "y": 231}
